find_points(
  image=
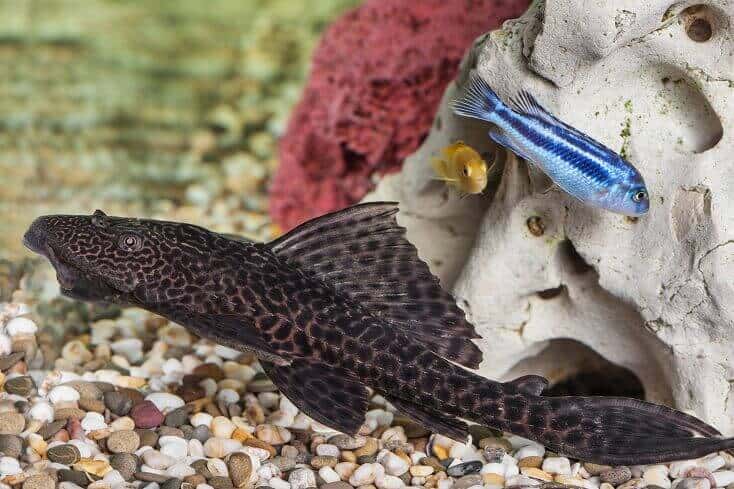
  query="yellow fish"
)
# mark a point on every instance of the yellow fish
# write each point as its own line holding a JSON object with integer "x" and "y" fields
{"x": 462, "y": 168}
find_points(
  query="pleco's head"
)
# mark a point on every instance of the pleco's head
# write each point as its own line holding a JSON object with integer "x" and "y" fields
{"x": 115, "y": 259}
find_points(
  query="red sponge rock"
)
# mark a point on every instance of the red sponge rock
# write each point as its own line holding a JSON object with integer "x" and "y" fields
{"x": 377, "y": 78}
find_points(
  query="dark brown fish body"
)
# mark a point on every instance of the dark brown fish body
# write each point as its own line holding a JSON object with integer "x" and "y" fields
{"x": 338, "y": 304}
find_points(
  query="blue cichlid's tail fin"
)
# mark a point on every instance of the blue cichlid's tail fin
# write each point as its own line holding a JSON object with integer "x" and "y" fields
{"x": 479, "y": 100}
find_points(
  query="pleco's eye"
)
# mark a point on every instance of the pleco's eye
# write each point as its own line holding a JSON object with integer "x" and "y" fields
{"x": 466, "y": 171}
{"x": 639, "y": 196}
{"x": 130, "y": 242}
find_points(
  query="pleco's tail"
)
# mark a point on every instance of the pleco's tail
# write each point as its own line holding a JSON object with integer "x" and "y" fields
{"x": 605, "y": 430}
{"x": 479, "y": 100}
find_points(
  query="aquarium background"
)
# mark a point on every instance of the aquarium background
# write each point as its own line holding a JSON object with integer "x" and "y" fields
{"x": 166, "y": 109}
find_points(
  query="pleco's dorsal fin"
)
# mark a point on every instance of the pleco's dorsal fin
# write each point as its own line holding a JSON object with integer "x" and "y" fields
{"x": 530, "y": 384}
{"x": 362, "y": 252}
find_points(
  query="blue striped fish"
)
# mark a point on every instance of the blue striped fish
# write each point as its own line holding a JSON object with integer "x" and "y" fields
{"x": 575, "y": 162}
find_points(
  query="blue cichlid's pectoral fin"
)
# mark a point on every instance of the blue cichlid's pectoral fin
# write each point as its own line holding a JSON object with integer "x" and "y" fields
{"x": 541, "y": 183}
{"x": 502, "y": 139}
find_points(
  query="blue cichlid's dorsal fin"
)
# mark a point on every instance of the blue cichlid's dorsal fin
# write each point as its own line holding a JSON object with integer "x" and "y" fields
{"x": 362, "y": 253}
{"x": 526, "y": 103}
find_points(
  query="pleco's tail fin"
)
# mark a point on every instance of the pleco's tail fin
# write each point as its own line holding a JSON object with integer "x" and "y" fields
{"x": 479, "y": 100}
{"x": 606, "y": 430}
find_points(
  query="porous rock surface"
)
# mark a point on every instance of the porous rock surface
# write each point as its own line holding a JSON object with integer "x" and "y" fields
{"x": 376, "y": 81}
{"x": 545, "y": 278}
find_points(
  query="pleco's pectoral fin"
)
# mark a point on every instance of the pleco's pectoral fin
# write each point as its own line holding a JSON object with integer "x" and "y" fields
{"x": 432, "y": 420}
{"x": 330, "y": 395}
{"x": 362, "y": 253}
{"x": 530, "y": 384}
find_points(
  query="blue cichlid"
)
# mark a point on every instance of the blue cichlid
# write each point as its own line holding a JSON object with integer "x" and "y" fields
{"x": 578, "y": 164}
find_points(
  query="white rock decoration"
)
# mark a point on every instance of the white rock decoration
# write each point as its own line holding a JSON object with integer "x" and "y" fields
{"x": 552, "y": 284}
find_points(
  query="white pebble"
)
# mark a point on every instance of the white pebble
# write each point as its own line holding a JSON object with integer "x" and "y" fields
{"x": 85, "y": 450}
{"x": 221, "y": 447}
{"x": 156, "y": 460}
{"x": 93, "y": 421}
{"x": 217, "y": 467}
{"x": 366, "y": 474}
{"x": 113, "y": 477}
{"x": 328, "y": 474}
{"x": 42, "y": 411}
{"x": 164, "y": 401}
{"x": 327, "y": 450}
{"x": 130, "y": 348}
{"x": 9, "y": 466}
{"x": 277, "y": 483}
{"x": 222, "y": 427}
{"x": 445, "y": 484}
{"x": 394, "y": 465}
{"x": 21, "y": 325}
{"x": 557, "y": 465}
{"x": 532, "y": 450}
{"x": 196, "y": 448}
{"x": 180, "y": 470}
{"x": 6, "y": 345}
{"x": 201, "y": 418}
{"x": 228, "y": 396}
{"x": 67, "y": 484}
{"x": 63, "y": 393}
{"x": 724, "y": 477}
{"x": 677, "y": 469}
{"x": 174, "y": 447}
{"x": 656, "y": 475}
{"x": 287, "y": 407}
{"x": 380, "y": 416}
{"x": 389, "y": 482}
{"x": 396, "y": 433}
{"x": 210, "y": 387}
{"x": 302, "y": 478}
{"x": 713, "y": 462}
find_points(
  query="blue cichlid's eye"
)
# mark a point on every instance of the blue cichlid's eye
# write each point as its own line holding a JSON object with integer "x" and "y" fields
{"x": 130, "y": 242}
{"x": 639, "y": 196}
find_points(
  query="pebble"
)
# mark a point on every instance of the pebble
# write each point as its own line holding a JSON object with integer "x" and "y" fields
{"x": 220, "y": 447}
{"x": 11, "y": 445}
{"x": 366, "y": 474}
{"x": 240, "y": 469}
{"x": 123, "y": 441}
{"x": 302, "y": 479}
{"x": 20, "y": 386}
{"x": 460, "y": 470}
{"x": 164, "y": 401}
{"x": 723, "y": 478}
{"x": 76, "y": 477}
{"x": 616, "y": 475}
{"x": 336, "y": 485}
{"x": 63, "y": 393}
{"x": 93, "y": 421}
{"x": 328, "y": 450}
{"x": 694, "y": 483}
{"x": 146, "y": 415}
{"x": 557, "y": 465}
{"x": 20, "y": 326}
{"x": 271, "y": 434}
{"x": 125, "y": 463}
{"x": 468, "y": 481}
{"x": 39, "y": 481}
{"x": 64, "y": 454}
{"x": 389, "y": 482}
{"x": 117, "y": 402}
{"x": 346, "y": 442}
{"x": 395, "y": 465}
{"x": 9, "y": 466}
{"x": 321, "y": 461}
{"x": 8, "y": 361}
{"x": 11, "y": 423}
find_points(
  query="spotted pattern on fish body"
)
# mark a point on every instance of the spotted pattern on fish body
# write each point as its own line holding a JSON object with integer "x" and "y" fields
{"x": 580, "y": 165}
{"x": 340, "y": 304}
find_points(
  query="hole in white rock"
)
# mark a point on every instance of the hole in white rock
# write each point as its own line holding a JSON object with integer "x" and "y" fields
{"x": 579, "y": 370}
{"x": 571, "y": 259}
{"x": 693, "y": 124}
{"x": 700, "y": 22}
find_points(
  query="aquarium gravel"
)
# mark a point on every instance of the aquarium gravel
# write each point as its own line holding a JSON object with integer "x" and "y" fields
{"x": 136, "y": 401}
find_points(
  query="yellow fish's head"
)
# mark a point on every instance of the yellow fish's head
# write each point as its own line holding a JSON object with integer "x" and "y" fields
{"x": 473, "y": 175}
